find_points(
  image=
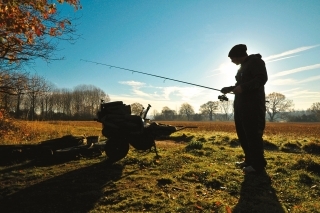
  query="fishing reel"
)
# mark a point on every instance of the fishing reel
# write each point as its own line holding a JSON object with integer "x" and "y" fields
{"x": 223, "y": 98}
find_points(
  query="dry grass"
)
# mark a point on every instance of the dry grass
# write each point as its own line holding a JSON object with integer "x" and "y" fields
{"x": 272, "y": 129}
{"x": 192, "y": 175}
{"x": 35, "y": 131}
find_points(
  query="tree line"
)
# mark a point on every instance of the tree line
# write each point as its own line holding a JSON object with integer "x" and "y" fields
{"x": 211, "y": 111}
{"x": 278, "y": 108}
{"x": 31, "y": 97}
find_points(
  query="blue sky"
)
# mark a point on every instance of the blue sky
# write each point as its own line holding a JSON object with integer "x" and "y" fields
{"x": 189, "y": 40}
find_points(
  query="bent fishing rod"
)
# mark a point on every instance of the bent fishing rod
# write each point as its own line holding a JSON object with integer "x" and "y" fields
{"x": 220, "y": 97}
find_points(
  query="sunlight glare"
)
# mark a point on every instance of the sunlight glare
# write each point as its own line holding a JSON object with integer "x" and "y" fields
{"x": 227, "y": 72}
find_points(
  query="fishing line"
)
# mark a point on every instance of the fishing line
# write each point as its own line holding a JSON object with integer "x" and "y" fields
{"x": 144, "y": 73}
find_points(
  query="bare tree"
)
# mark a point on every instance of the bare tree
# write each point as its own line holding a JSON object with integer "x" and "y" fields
{"x": 5, "y": 82}
{"x": 5, "y": 89}
{"x": 86, "y": 100}
{"x": 315, "y": 109}
{"x": 20, "y": 87}
{"x": 167, "y": 113}
{"x": 12, "y": 87}
{"x": 77, "y": 100}
{"x": 208, "y": 109}
{"x": 51, "y": 104}
{"x": 44, "y": 99}
{"x": 277, "y": 103}
{"x": 66, "y": 100}
{"x": 36, "y": 86}
{"x": 96, "y": 96}
{"x": 60, "y": 102}
{"x": 155, "y": 113}
{"x": 227, "y": 109}
{"x": 6, "y": 101}
{"x": 186, "y": 110}
{"x": 136, "y": 108}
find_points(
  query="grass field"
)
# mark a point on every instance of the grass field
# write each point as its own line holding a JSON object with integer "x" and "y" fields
{"x": 194, "y": 172}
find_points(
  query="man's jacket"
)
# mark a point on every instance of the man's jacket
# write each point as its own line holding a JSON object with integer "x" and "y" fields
{"x": 252, "y": 76}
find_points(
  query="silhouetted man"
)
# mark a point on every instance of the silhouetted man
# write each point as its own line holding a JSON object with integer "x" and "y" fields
{"x": 249, "y": 106}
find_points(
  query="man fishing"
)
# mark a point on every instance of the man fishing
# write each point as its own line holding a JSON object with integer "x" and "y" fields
{"x": 249, "y": 106}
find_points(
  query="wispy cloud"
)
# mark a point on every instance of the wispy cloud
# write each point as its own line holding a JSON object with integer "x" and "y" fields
{"x": 313, "y": 78}
{"x": 140, "y": 93}
{"x": 185, "y": 93}
{"x": 171, "y": 96}
{"x": 136, "y": 88}
{"x": 139, "y": 89}
{"x": 289, "y": 52}
{"x": 303, "y": 98}
{"x": 227, "y": 66}
{"x": 304, "y": 94}
{"x": 290, "y": 81}
{"x": 290, "y": 90}
{"x": 132, "y": 83}
{"x": 299, "y": 69}
{"x": 287, "y": 81}
{"x": 279, "y": 59}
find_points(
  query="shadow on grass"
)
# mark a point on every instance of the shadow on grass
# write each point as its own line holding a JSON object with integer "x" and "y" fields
{"x": 312, "y": 148}
{"x": 269, "y": 146}
{"x": 257, "y": 195}
{"x": 27, "y": 163}
{"x": 75, "y": 191}
{"x": 179, "y": 138}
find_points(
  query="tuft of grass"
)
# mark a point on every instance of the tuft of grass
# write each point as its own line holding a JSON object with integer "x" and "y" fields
{"x": 312, "y": 147}
{"x": 202, "y": 139}
{"x": 290, "y": 147}
{"x": 305, "y": 179}
{"x": 308, "y": 164}
{"x": 214, "y": 183}
{"x": 282, "y": 170}
{"x": 164, "y": 181}
{"x": 234, "y": 142}
{"x": 269, "y": 145}
{"x": 194, "y": 145}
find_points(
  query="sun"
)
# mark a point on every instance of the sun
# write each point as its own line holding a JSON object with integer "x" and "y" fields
{"x": 227, "y": 72}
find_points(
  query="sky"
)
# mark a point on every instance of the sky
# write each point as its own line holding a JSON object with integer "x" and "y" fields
{"x": 188, "y": 40}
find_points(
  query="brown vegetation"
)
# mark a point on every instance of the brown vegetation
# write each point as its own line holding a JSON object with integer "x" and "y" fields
{"x": 288, "y": 129}
{"x": 28, "y": 132}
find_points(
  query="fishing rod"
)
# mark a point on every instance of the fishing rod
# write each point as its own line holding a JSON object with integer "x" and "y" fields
{"x": 220, "y": 97}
